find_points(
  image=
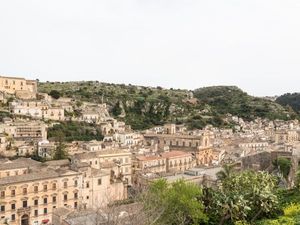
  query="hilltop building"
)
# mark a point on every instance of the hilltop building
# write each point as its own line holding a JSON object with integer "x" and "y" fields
{"x": 21, "y": 87}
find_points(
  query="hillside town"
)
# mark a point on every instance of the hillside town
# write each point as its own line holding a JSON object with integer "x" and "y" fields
{"x": 39, "y": 187}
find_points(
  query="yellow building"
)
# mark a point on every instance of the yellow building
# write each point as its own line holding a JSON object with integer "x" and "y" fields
{"x": 119, "y": 157}
{"x": 180, "y": 142}
{"x": 37, "y": 109}
{"x": 152, "y": 164}
{"x": 178, "y": 161}
{"x": 25, "y": 130}
{"x": 16, "y": 85}
{"x": 30, "y": 191}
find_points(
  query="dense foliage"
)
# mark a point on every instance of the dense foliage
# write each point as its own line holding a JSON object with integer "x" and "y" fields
{"x": 241, "y": 198}
{"x": 71, "y": 131}
{"x": 54, "y": 94}
{"x": 284, "y": 165}
{"x": 230, "y": 99}
{"x": 176, "y": 203}
{"x": 60, "y": 151}
{"x": 292, "y": 100}
{"x": 143, "y": 107}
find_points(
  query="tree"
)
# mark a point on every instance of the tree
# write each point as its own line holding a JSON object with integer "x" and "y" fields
{"x": 226, "y": 172}
{"x": 245, "y": 196}
{"x": 176, "y": 203}
{"x": 283, "y": 165}
{"x": 60, "y": 151}
{"x": 117, "y": 110}
{"x": 55, "y": 94}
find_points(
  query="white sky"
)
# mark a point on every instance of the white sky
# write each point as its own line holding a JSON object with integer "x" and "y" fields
{"x": 254, "y": 44}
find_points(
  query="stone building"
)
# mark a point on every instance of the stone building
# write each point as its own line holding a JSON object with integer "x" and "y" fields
{"x": 209, "y": 156}
{"x": 19, "y": 86}
{"x": 177, "y": 161}
{"x": 150, "y": 164}
{"x": 39, "y": 109}
{"x": 25, "y": 130}
{"x": 30, "y": 191}
{"x": 173, "y": 161}
{"x": 286, "y": 136}
{"x": 180, "y": 142}
{"x": 118, "y": 159}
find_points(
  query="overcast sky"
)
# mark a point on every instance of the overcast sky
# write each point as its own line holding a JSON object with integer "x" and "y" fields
{"x": 254, "y": 44}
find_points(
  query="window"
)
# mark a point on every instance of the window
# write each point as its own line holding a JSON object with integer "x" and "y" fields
{"x": 24, "y": 204}
{"x": 65, "y": 184}
{"x": 75, "y": 183}
{"x": 54, "y": 199}
{"x": 2, "y": 208}
{"x": 45, "y": 187}
{"x": 36, "y": 202}
{"x": 87, "y": 184}
{"x": 65, "y": 197}
{"x": 24, "y": 191}
{"x": 99, "y": 181}
{"x": 2, "y": 194}
{"x": 13, "y": 206}
{"x": 45, "y": 200}
{"x": 13, "y": 193}
{"x": 36, "y": 212}
{"x": 13, "y": 217}
{"x": 54, "y": 186}
{"x": 36, "y": 189}
{"x": 75, "y": 205}
{"x": 75, "y": 195}
{"x": 45, "y": 211}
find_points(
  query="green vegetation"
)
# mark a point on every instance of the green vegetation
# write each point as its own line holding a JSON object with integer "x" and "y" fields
{"x": 242, "y": 198}
{"x": 4, "y": 114}
{"x": 291, "y": 216}
{"x": 74, "y": 131}
{"x": 283, "y": 165}
{"x": 292, "y": 100}
{"x": 54, "y": 94}
{"x": 175, "y": 203}
{"x": 60, "y": 151}
{"x": 230, "y": 99}
{"x": 144, "y": 107}
{"x": 245, "y": 196}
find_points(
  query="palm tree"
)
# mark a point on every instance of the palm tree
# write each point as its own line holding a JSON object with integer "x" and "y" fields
{"x": 226, "y": 172}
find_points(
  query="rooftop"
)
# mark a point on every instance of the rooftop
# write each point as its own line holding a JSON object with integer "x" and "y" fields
{"x": 18, "y": 164}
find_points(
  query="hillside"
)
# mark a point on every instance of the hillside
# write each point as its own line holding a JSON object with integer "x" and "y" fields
{"x": 143, "y": 107}
{"x": 292, "y": 100}
{"x": 230, "y": 99}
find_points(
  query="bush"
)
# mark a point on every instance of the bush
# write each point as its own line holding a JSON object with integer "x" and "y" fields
{"x": 55, "y": 94}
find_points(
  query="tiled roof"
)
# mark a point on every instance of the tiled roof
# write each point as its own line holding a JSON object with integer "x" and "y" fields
{"x": 172, "y": 154}
{"x": 18, "y": 164}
